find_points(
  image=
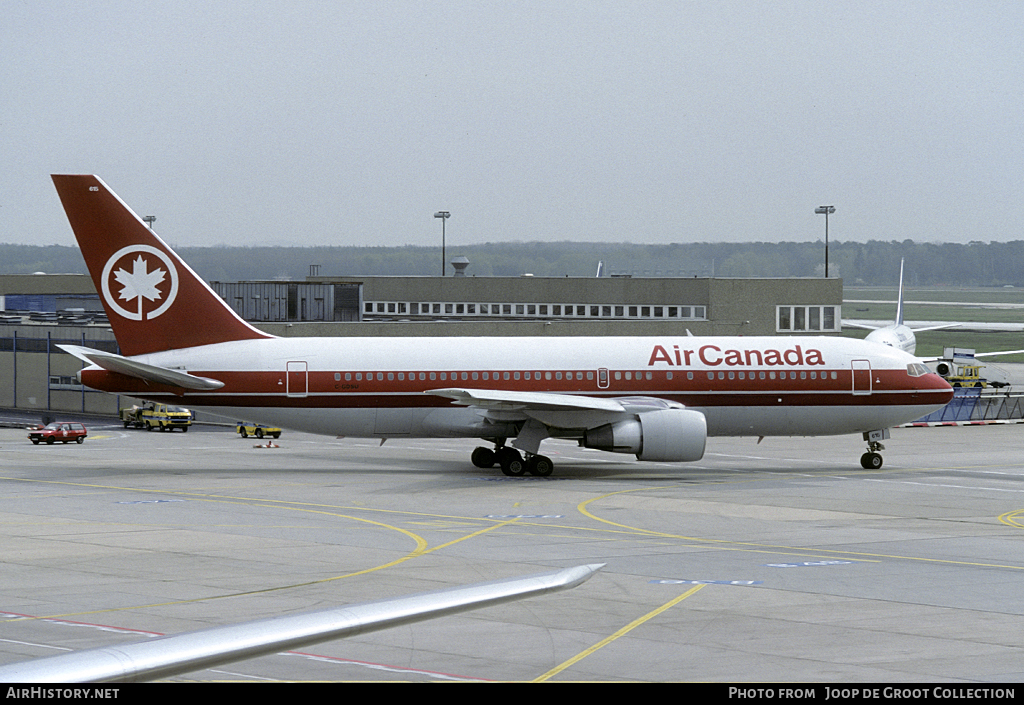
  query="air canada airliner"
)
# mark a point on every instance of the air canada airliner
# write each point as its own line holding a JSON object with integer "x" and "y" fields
{"x": 658, "y": 398}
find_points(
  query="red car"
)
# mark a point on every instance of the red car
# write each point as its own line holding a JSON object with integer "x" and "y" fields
{"x": 62, "y": 431}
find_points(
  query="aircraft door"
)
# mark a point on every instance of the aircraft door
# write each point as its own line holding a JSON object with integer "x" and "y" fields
{"x": 602, "y": 378}
{"x": 296, "y": 379}
{"x": 861, "y": 370}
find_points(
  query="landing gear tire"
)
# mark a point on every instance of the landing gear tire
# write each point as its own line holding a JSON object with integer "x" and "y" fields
{"x": 540, "y": 466}
{"x": 483, "y": 457}
{"x": 512, "y": 463}
{"x": 871, "y": 461}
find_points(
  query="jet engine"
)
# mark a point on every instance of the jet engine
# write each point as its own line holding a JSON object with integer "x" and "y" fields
{"x": 669, "y": 435}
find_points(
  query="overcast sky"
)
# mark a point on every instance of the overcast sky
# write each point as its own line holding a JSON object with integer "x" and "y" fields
{"x": 351, "y": 123}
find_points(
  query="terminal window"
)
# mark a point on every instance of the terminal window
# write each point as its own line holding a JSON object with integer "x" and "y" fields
{"x": 808, "y": 318}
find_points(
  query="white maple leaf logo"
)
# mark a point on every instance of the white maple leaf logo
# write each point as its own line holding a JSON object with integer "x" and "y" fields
{"x": 140, "y": 283}
{"x": 129, "y": 267}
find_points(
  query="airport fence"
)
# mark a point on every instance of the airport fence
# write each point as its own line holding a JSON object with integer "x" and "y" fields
{"x": 979, "y": 404}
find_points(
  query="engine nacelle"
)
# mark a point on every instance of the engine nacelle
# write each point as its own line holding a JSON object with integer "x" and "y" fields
{"x": 667, "y": 435}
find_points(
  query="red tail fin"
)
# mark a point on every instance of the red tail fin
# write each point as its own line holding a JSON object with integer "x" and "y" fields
{"x": 153, "y": 299}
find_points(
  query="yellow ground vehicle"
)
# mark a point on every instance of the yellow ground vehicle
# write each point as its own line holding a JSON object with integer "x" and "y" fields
{"x": 966, "y": 376}
{"x": 153, "y": 416}
{"x": 960, "y": 368}
{"x": 259, "y": 430}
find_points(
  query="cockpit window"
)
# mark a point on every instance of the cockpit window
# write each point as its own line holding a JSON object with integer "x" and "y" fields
{"x": 916, "y": 369}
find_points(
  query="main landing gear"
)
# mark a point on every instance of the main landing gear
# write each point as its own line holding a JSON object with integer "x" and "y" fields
{"x": 512, "y": 462}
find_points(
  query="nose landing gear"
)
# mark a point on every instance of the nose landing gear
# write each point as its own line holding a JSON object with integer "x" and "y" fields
{"x": 872, "y": 460}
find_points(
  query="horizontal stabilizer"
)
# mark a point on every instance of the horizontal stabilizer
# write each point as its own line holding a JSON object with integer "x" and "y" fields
{"x": 140, "y": 370}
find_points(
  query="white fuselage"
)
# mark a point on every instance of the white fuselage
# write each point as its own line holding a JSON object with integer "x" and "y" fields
{"x": 895, "y": 336}
{"x": 381, "y": 387}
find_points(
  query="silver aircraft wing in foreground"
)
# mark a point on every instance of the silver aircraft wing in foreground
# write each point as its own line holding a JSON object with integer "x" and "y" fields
{"x": 181, "y": 653}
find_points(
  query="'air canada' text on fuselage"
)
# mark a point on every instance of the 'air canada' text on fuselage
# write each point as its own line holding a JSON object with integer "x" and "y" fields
{"x": 712, "y": 356}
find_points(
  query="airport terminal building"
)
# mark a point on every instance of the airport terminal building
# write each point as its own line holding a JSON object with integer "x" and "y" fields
{"x": 38, "y": 312}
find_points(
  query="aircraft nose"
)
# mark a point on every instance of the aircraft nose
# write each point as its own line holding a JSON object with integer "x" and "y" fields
{"x": 944, "y": 386}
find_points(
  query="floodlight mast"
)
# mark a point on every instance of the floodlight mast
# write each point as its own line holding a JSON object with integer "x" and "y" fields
{"x": 825, "y": 210}
{"x": 443, "y": 215}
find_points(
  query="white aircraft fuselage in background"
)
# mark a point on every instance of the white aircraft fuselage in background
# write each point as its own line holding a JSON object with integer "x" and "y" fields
{"x": 658, "y": 398}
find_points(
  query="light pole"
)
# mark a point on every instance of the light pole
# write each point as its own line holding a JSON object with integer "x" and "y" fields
{"x": 443, "y": 215}
{"x": 150, "y": 219}
{"x": 825, "y": 210}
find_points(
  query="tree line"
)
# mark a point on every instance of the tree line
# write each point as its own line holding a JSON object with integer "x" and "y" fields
{"x": 871, "y": 263}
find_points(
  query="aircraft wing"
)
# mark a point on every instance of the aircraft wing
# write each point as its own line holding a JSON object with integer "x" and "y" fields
{"x": 1000, "y": 352}
{"x": 996, "y": 353}
{"x": 850, "y": 323}
{"x": 941, "y": 326}
{"x": 140, "y": 370}
{"x": 573, "y": 415}
{"x": 181, "y": 653}
{"x": 503, "y": 400}
{"x": 847, "y": 323}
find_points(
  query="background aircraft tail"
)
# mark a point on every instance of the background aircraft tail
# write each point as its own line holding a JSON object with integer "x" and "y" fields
{"x": 899, "y": 299}
{"x": 153, "y": 299}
